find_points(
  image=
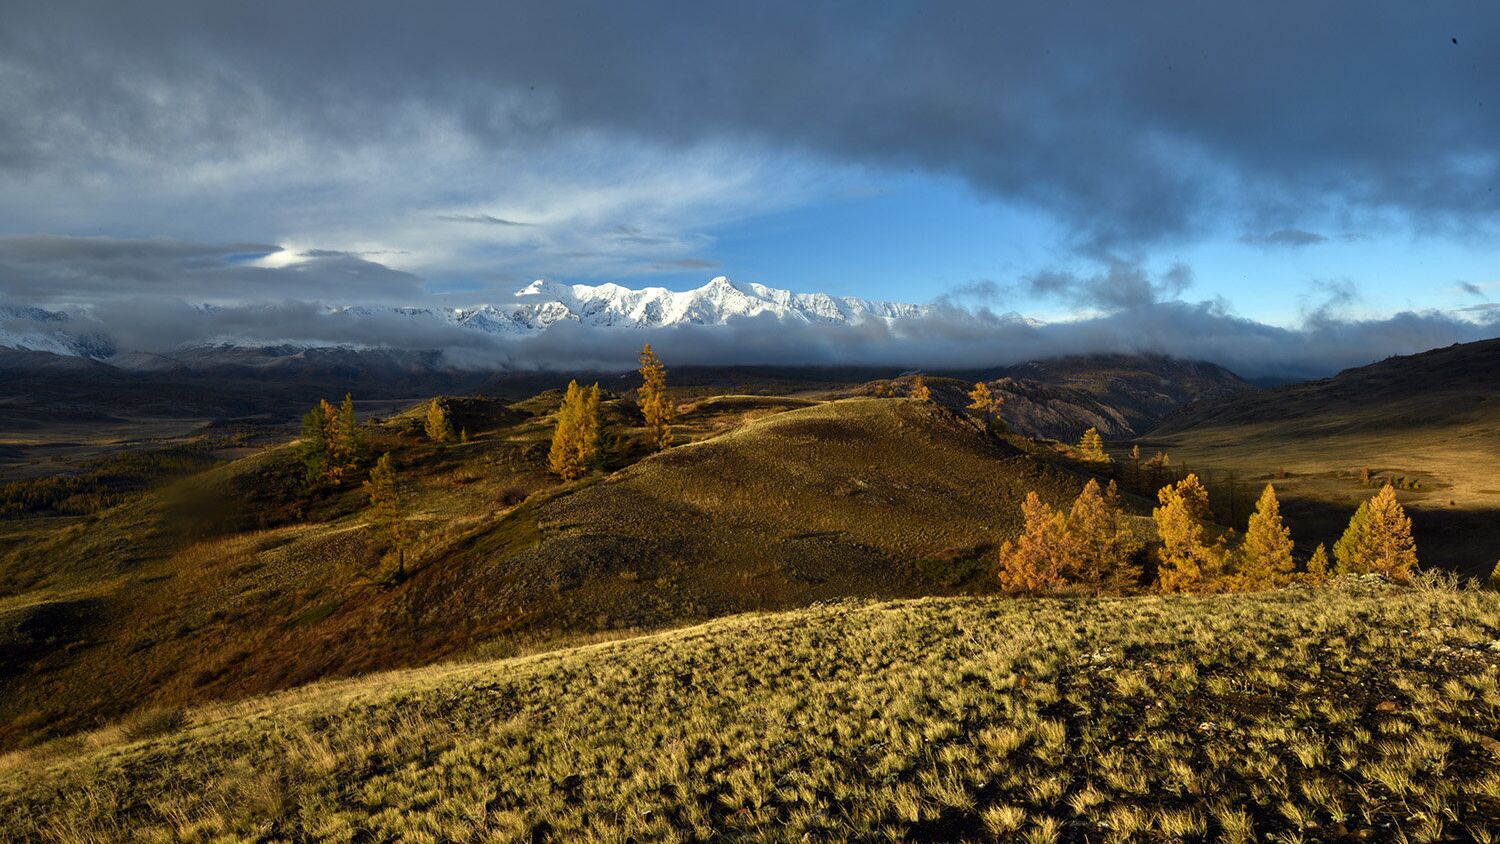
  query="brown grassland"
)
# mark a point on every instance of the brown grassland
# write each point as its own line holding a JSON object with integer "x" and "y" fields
{"x": 1356, "y": 712}
{"x": 238, "y": 581}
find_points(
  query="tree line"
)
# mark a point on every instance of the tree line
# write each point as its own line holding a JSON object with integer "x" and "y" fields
{"x": 1093, "y": 544}
{"x": 578, "y": 439}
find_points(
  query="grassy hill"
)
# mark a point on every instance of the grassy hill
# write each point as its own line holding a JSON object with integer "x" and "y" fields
{"x": 238, "y": 582}
{"x": 1359, "y": 712}
{"x": 1430, "y": 419}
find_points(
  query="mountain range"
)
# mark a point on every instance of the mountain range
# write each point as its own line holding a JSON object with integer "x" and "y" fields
{"x": 533, "y": 310}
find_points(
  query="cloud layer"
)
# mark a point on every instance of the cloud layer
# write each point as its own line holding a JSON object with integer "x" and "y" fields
{"x": 380, "y": 151}
{"x": 1128, "y": 122}
{"x": 124, "y": 290}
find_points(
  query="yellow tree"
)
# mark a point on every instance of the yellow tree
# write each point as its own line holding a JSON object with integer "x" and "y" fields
{"x": 986, "y": 402}
{"x": 1099, "y": 546}
{"x": 656, "y": 404}
{"x": 590, "y": 427}
{"x": 1391, "y": 550}
{"x": 1185, "y": 558}
{"x": 1352, "y": 552}
{"x": 388, "y": 508}
{"x": 1035, "y": 559}
{"x": 1317, "y": 565}
{"x": 1265, "y": 557}
{"x": 1091, "y": 447}
{"x": 566, "y": 457}
{"x": 438, "y": 426}
{"x": 919, "y": 389}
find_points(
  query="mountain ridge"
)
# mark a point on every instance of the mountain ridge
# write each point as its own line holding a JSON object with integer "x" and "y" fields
{"x": 533, "y": 309}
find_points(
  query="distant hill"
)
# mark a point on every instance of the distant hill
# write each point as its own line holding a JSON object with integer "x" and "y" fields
{"x": 237, "y": 582}
{"x": 1123, "y": 396}
{"x": 1431, "y": 421}
{"x": 1356, "y": 712}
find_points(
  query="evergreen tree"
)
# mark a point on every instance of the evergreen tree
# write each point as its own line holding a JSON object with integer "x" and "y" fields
{"x": 656, "y": 404}
{"x": 332, "y": 443}
{"x": 314, "y": 444}
{"x": 348, "y": 438}
{"x": 1352, "y": 552}
{"x": 438, "y": 426}
{"x": 1265, "y": 557}
{"x": 1035, "y": 559}
{"x": 388, "y": 509}
{"x": 1185, "y": 557}
{"x": 919, "y": 389}
{"x": 1091, "y": 447}
{"x": 1317, "y": 565}
{"x": 1393, "y": 552}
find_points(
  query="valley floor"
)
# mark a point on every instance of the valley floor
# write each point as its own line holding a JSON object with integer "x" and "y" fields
{"x": 1360, "y": 711}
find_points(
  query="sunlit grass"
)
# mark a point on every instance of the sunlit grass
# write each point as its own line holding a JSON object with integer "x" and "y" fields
{"x": 1300, "y": 715}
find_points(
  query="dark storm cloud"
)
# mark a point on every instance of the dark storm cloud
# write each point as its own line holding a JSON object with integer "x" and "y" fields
{"x": 1119, "y": 285}
{"x": 1130, "y": 122}
{"x": 1284, "y": 237}
{"x": 43, "y": 269}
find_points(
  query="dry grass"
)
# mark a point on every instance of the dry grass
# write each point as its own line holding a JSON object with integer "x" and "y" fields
{"x": 1295, "y": 715}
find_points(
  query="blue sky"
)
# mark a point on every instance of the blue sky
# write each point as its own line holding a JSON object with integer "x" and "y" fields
{"x": 914, "y": 237}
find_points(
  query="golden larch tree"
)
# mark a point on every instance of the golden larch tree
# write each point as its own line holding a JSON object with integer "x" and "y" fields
{"x": 1099, "y": 545}
{"x": 1351, "y": 553}
{"x": 1391, "y": 550}
{"x": 986, "y": 403}
{"x": 1185, "y": 557}
{"x": 439, "y": 426}
{"x": 1317, "y": 565}
{"x": 1091, "y": 447}
{"x": 590, "y": 422}
{"x": 919, "y": 389}
{"x": 656, "y": 403}
{"x": 1035, "y": 559}
{"x": 1265, "y": 557}
{"x": 566, "y": 456}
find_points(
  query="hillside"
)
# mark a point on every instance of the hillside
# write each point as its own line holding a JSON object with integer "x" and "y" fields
{"x": 1123, "y": 396}
{"x": 237, "y": 582}
{"x": 1352, "y": 713}
{"x": 1429, "y": 418}
{"x": 58, "y": 411}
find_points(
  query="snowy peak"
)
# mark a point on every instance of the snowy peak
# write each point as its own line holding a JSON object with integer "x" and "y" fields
{"x": 715, "y": 303}
{"x": 532, "y": 310}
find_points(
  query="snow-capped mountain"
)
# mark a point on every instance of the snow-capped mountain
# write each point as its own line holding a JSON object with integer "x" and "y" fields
{"x": 543, "y": 303}
{"x": 41, "y": 330}
{"x": 533, "y": 310}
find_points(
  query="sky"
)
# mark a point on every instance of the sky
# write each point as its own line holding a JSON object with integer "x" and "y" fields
{"x": 1308, "y": 168}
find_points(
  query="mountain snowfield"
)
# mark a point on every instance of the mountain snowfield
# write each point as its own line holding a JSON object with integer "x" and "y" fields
{"x": 534, "y": 309}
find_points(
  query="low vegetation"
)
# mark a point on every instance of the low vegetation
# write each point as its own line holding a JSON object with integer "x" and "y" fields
{"x": 1359, "y": 711}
